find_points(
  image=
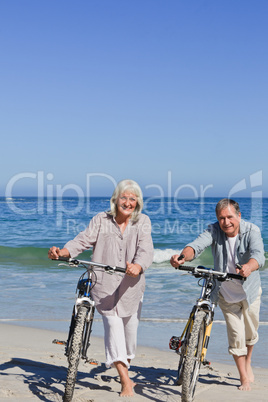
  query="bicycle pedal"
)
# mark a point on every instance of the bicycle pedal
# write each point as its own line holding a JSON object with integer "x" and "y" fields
{"x": 206, "y": 363}
{"x": 92, "y": 361}
{"x": 175, "y": 343}
{"x": 57, "y": 342}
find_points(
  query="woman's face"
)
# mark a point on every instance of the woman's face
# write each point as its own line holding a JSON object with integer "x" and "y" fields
{"x": 126, "y": 204}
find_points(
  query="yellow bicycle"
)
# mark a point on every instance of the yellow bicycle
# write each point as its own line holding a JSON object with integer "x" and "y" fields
{"x": 192, "y": 345}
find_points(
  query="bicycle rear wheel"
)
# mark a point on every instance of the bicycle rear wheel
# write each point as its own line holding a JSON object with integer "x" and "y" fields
{"x": 193, "y": 358}
{"x": 75, "y": 353}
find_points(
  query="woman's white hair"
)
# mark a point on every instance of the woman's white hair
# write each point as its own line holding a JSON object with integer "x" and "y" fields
{"x": 132, "y": 187}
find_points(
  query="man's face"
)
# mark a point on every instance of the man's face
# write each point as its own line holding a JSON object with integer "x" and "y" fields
{"x": 229, "y": 221}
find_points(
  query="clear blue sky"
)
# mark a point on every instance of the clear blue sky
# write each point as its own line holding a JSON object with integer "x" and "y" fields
{"x": 171, "y": 93}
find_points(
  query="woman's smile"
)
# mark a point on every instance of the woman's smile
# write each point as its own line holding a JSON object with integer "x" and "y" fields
{"x": 126, "y": 203}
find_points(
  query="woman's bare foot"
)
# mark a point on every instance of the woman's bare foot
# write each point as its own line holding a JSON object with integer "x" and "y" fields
{"x": 126, "y": 383}
{"x": 127, "y": 389}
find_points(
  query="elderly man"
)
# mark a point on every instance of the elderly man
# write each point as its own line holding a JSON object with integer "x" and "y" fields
{"x": 234, "y": 242}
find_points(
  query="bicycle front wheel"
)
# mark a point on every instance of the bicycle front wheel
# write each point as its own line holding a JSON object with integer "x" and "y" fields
{"x": 183, "y": 355}
{"x": 75, "y": 353}
{"x": 181, "y": 366}
{"x": 193, "y": 357}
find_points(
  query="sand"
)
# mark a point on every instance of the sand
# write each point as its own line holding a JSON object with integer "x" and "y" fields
{"x": 33, "y": 368}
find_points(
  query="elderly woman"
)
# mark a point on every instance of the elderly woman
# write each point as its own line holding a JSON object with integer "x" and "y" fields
{"x": 122, "y": 237}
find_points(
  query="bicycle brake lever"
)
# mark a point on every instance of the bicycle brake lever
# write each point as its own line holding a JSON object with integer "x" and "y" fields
{"x": 239, "y": 266}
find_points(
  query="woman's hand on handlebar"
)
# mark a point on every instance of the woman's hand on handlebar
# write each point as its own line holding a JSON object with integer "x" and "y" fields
{"x": 55, "y": 252}
{"x": 133, "y": 270}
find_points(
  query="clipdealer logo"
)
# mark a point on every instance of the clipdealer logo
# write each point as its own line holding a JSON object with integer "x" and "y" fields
{"x": 254, "y": 185}
{"x": 46, "y": 189}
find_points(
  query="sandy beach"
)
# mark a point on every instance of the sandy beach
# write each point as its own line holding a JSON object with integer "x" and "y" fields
{"x": 33, "y": 368}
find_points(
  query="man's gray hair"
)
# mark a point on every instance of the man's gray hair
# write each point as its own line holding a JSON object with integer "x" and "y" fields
{"x": 225, "y": 203}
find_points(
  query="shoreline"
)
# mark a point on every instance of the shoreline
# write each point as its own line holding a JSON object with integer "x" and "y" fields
{"x": 217, "y": 350}
{"x": 34, "y": 368}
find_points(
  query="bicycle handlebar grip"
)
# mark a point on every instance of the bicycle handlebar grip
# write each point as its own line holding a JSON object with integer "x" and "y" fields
{"x": 63, "y": 259}
{"x": 185, "y": 268}
{"x": 236, "y": 276}
{"x": 119, "y": 269}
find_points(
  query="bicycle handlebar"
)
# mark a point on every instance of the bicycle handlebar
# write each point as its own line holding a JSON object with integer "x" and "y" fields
{"x": 207, "y": 271}
{"x": 75, "y": 261}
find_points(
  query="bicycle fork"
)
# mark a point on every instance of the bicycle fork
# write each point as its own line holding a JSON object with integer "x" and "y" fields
{"x": 88, "y": 325}
{"x": 176, "y": 342}
{"x": 205, "y": 344}
{"x": 87, "y": 333}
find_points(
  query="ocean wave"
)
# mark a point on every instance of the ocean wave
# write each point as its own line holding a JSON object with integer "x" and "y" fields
{"x": 161, "y": 256}
{"x": 34, "y": 253}
{"x": 166, "y": 320}
{"x": 38, "y": 255}
{"x": 143, "y": 319}
{"x": 22, "y": 253}
{"x": 205, "y": 259}
{"x": 30, "y": 255}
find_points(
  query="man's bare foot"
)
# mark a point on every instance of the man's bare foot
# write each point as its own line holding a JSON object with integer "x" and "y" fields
{"x": 250, "y": 373}
{"x": 127, "y": 389}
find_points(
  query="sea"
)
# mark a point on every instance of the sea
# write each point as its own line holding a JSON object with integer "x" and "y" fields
{"x": 38, "y": 292}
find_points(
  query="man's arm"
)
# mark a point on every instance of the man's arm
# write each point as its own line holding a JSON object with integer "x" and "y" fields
{"x": 195, "y": 248}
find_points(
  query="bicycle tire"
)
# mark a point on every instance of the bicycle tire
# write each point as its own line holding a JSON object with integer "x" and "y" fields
{"x": 181, "y": 366}
{"x": 183, "y": 356}
{"x": 87, "y": 332}
{"x": 70, "y": 334}
{"x": 193, "y": 357}
{"x": 75, "y": 353}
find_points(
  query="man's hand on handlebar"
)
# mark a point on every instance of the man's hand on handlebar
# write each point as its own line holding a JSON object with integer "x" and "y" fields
{"x": 187, "y": 254}
{"x": 243, "y": 270}
{"x": 177, "y": 260}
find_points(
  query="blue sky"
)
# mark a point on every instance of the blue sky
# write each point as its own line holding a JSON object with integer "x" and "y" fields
{"x": 172, "y": 94}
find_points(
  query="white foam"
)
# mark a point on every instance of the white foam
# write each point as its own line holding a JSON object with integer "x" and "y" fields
{"x": 164, "y": 255}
